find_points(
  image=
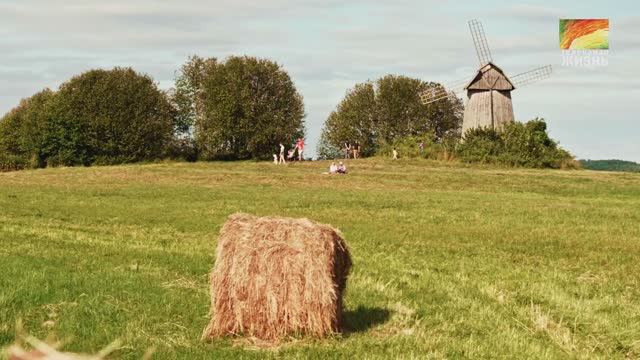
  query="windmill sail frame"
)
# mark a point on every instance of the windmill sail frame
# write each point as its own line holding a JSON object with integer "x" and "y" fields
{"x": 480, "y": 42}
{"x": 532, "y": 76}
{"x": 443, "y": 91}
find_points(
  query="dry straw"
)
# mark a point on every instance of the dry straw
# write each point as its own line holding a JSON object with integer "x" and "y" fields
{"x": 277, "y": 277}
{"x": 44, "y": 351}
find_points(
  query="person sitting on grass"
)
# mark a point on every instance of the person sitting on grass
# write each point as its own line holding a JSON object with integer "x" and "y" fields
{"x": 333, "y": 169}
{"x": 342, "y": 169}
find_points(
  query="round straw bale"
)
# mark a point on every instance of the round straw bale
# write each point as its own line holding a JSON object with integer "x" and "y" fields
{"x": 276, "y": 277}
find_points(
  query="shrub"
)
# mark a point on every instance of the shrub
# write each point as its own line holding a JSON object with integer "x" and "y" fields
{"x": 432, "y": 147}
{"x": 183, "y": 148}
{"x": 9, "y": 162}
{"x": 519, "y": 144}
{"x": 480, "y": 145}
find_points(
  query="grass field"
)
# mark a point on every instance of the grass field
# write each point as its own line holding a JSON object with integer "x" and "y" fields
{"x": 449, "y": 261}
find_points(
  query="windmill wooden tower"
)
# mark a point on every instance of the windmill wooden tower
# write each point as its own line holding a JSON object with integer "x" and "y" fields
{"x": 489, "y": 91}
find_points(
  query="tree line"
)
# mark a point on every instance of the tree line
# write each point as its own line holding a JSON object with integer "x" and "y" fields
{"x": 234, "y": 109}
{"x": 611, "y": 165}
{"x": 242, "y": 108}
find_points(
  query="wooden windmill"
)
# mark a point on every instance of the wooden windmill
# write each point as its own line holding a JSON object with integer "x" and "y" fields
{"x": 489, "y": 91}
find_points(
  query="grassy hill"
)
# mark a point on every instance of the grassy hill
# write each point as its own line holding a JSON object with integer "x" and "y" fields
{"x": 449, "y": 261}
{"x": 611, "y": 165}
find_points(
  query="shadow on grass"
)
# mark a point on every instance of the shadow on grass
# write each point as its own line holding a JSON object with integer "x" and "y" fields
{"x": 364, "y": 318}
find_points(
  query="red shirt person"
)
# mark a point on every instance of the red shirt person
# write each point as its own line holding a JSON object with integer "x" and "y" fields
{"x": 300, "y": 146}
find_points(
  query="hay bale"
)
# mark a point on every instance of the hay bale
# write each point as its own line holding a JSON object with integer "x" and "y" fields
{"x": 275, "y": 277}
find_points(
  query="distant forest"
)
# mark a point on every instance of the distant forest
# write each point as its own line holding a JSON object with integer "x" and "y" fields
{"x": 610, "y": 165}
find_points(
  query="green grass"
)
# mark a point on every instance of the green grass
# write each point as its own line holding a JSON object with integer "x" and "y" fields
{"x": 449, "y": 261}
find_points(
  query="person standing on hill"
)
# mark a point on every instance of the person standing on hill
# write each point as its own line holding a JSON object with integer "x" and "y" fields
{"x": 300, "y": 146}
{"x": 347, "y": 150}
{"x": 281, "y": 158}
{"x": 395, "y": 154}
{"x": 355, "y": 148}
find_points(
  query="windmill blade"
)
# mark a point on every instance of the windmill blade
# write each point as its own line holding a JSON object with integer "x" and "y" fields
{"x": 480, "y": 42}
{"x": 440, "y": 92}
{"x": 531, "y": 76}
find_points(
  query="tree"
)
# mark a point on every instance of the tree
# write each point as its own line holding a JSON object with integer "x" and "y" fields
{"x": 381, "y": 113}
{"x": 250, "y": 105}
{"x": 110, "y": 116}
{"x": 188, "y": 96}
{"x": 23, "y": 130}
{"x": 326, "y": 150}
{"x": 101, "y": 116}
{"x": 354, "y": 120}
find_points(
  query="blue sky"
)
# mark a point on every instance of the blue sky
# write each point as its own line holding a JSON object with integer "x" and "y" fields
{"x": 329, "y": 46}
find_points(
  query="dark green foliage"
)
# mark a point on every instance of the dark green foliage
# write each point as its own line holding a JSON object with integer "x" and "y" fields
{"x": 610, "y": 165}
{"x": 250, "y": 105}
{"x": 99, "y": 117}
{"x": 400, "y": 113}
{"x": 188, "y": 95}
{"x": 519, "y": 144}
{"x": 353, "y": 121}
{"x": 481, "y": 145}
{"x": 183, "y": 148}
{"x": 10, "y": 162}
{"x": 25, "y": 131}
{"x": 377, "y": 114}
{"x": 112, "y": 117}
{"x": 327, "y": 151}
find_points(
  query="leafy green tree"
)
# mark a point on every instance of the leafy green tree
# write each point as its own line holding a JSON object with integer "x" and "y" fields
{"x": 111, "y": 116}
{"x": 101, "y": 116}
{"x": 188, "y": 96}
{"x": 353, "y": 121}
{"x": 23, "y": 130}
{"x": 250, "y": 105}
{"x": 380, "y": 113}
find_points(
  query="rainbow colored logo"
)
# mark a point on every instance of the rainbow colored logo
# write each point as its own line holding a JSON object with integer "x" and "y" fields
{"x": 584, "y": 34}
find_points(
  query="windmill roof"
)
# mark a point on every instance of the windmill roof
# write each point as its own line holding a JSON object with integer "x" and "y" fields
{"x": 490, "y": 77}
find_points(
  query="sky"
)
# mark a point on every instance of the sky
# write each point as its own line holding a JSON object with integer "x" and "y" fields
{"x": 328, "y": 46}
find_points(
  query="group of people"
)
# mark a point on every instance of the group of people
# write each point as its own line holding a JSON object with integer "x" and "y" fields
{"x": 352, "y": 150}
{"x": 299, "y": 147}
{"x": 337, "y": 169}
